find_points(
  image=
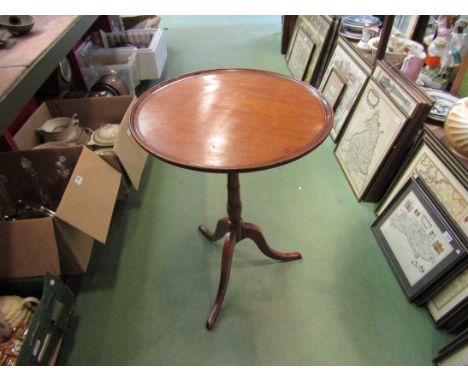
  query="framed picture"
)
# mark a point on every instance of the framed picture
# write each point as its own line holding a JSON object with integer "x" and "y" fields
{"x": 317, "y": 29}
{"x": 450, "y": 299}
{"x": 443, "y": 176}
{"x": 420, "y": 243}
{"x": 398, "y": 93}
{"x": 372, "y": 129}
{"x": 405, "y": 25}
{"x": 455, "y": 353}
{"x": 333, "y": 88}
{"x": 299, "y": 55}
{"x": 355, "y": 72}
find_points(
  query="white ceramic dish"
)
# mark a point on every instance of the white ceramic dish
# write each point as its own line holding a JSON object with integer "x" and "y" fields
{"x": 105, "y": 135}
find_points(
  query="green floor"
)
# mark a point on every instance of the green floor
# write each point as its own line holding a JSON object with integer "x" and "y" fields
{"x": 147, "y": 293}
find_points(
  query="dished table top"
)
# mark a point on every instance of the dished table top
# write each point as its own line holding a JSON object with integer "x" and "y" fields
{"x": 231, "y": 120}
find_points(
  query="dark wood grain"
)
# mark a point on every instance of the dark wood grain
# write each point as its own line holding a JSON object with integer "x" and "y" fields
{"x": 231, "y": 120}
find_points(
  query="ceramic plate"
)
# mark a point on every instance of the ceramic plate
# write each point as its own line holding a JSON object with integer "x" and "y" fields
{"x": 350, "y": 35}
{"x": 443, "y": 101}
{"x": 361, "y": 20}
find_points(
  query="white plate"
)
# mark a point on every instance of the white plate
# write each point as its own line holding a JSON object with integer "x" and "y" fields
{"x": 351, "y": 36}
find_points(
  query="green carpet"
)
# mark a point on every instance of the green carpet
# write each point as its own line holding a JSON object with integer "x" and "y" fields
{"x": 147, "y": 293}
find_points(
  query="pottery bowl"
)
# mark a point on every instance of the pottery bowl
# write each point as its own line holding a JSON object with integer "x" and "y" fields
{"x": 17, "y": 25}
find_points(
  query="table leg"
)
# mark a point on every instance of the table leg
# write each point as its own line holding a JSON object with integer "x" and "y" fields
{"x": 221, "y": 229}
{"x": 251, "y": 231}
{"x": 234, "y": 230}
{"x": 226, "y": 261}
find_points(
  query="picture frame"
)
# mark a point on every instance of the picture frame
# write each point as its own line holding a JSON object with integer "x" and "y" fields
{"x": 415, "y": 104}
{"x": 318, "y": 29}
{"x": 455, "y": 353}
{"x": 333, "y": 88}
{"x": 300, "y": 53}
{"x": 442, "y": 174}
{"x": 405, "y": 25}
{"x": 354, "y": 70}
{"x": 374, "y": 126}
{"x": 420, "y": 243}
{"x": 399, "y": 94}
{"x": 450, "y": 300}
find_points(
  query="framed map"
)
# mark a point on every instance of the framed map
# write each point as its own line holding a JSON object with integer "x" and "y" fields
{"x": 454, "y": 295}
{"x": 418, "y": 240}
{"x": 355, "y": 73}
{"x": 372, "y": 129}
{"x": 436, "y": 172}
{"x": 300, "y": 53}
{"x": 316, "y": 28}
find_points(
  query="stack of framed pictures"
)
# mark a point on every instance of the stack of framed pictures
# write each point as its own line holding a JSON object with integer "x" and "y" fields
{"x": 310, "y": 45}
{"x": 423, "y": 246}
{"x": 446, "y": 178}
{"x": 380, "y": 131}
{"x": 449, "y": 307}
{"x": 455, "y": 353}
{"x": 342, "y": 82}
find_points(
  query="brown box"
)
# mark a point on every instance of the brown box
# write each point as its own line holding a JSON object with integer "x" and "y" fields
{"x": 127, "y": 157}
{"x": 75, "y": 183}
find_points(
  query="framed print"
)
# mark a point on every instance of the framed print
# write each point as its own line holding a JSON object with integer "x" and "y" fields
{"x": 405, "y": 25}
{"x": 455, "y": 353}
{"x": 419, "y": 241}
{"x": 372, "y": 129}
{"x": 298, "y": 58}
{"x": 355, "y": 72}
{"x": 333, "y": 88}
{"x": 449, "y": 299}
{"x": 441, "y": 177}
{"x": 317, "y": 28}
{"x": 397, "y": 93}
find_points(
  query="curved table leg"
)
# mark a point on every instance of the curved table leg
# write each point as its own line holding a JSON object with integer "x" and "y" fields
{"x": 226, "y": 261}
{"x": 251, "y": 231}
{"x": 221, "y": 228}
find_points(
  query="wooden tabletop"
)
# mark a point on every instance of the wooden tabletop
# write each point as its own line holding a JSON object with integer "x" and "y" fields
{"x": 231, "y": 120}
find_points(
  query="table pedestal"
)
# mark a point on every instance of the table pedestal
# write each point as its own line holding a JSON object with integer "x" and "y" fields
{"x": 234, "y": 230}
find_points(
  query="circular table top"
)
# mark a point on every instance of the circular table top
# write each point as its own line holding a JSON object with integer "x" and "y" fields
{"x": 230, "y": 120}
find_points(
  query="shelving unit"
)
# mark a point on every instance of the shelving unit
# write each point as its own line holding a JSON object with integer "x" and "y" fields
{"x": 26, "y": 66}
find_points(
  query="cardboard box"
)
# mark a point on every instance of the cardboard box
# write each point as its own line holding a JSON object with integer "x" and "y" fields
{"x": 75, "y": 183}
{"x": 127, "y": 157}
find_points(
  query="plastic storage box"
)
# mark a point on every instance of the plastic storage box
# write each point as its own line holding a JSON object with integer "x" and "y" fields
{"x": 151, "y": 58}
{"x": 95, "y": 63}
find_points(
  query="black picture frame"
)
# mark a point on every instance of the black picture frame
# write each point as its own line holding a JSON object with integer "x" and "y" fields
{"x": 448, "y": 354}
{"x": 413, "y": 227}
{"x": 428, "y": 148}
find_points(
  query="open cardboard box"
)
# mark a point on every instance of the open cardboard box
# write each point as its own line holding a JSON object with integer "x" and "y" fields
{"x": 127, "y": 156}
{"x": 75, "y": 183}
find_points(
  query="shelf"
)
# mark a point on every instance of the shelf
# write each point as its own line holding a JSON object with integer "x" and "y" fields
{"x": 26, "y": 66}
